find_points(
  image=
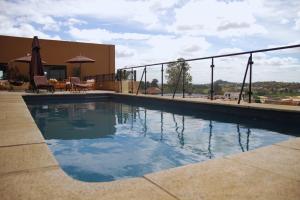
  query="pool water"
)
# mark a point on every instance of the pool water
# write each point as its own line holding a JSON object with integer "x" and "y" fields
{"x": 107, "y": 140}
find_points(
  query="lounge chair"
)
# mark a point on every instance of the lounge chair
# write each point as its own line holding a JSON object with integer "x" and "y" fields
{"x": 77, "y": 85}
{"x": 41, "y": 82}
{"x": 18, "y": 85}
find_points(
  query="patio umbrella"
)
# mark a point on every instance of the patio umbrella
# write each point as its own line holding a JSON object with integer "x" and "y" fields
{"x": 36, "y": 66}
{"x": 25, "y": 59}
{"x": 80, "y": 59}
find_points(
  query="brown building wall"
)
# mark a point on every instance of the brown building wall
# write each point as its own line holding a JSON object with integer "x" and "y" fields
{"x": 55, "y": 52}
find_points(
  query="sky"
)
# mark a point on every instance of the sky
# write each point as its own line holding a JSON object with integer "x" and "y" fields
{"x": 149, "y": 31}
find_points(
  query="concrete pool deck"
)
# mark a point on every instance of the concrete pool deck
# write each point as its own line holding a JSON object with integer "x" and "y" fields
{"x": 28, "y": 170}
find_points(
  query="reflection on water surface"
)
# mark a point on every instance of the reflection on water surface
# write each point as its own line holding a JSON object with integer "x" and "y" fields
{"x": 106, "y": 140}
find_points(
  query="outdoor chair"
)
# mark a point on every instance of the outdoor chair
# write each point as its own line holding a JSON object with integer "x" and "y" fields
{"x": 41, "y": 82}
{"x": 77, "y": 85}
{"x": 91, "y": 83}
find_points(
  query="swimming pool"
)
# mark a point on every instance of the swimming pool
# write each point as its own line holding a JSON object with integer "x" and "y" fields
{"x": 105, "y": 139}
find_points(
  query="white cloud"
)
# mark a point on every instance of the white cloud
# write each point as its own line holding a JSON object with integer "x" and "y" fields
{"x": 103, "y": 35}
{"x": 124, "y": 51}
{"x": 212, "y": 17}
{"x": 172, "y": 47}
{"x": 49, "y": 24}
{"x": 154, "y": 47}
{"x": 147, "y": 31}
{"x": 161, "y": 48}
{"x": 274, "y": 10}
{"x": 282, "y": 62}
{"x": 8, "y": 27}
{"x": 278, "y": 17}
{"x": 73, "y": 21}
{"x": 143, "y": 12}
{"x": 297, "y": 22}
{"x": 229, "y": 50}
{"x": 260, "y": 59}
{"x": 286, "y": 51}
{"x": 284, "y": 21}
{"x": 266, "y": 67}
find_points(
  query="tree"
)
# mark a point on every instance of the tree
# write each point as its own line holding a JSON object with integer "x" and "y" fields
{"x": 173, "y": 72}
{"x": 142, "y": 85}
{"x": 154, "y": 83}
{"x": 217, "y": 88}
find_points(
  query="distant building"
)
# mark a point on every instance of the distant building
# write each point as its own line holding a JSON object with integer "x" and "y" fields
{"x": 263, "y": 99}
{"x": 153, "y": 90}
{"x": 233, "y": 95}
{"x": 55, "y": 53}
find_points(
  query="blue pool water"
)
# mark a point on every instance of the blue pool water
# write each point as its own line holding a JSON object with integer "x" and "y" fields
{"x": 106, "y": 140}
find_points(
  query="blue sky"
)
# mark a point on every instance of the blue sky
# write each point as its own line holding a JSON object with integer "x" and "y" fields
{"x": 146, "y": 31}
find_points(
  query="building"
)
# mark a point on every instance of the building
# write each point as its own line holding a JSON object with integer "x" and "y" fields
{"x": 55, "y": 53}
{"x": 233, "y": 95}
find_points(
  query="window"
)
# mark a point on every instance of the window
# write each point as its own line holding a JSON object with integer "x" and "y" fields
{"x": 57, "y": 72}
{"x": 3, "y": 71}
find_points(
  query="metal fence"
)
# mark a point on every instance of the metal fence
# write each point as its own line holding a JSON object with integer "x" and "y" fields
{"x": 131, "y": 70}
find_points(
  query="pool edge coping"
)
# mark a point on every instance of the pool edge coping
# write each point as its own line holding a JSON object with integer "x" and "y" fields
{"x": 67, "y": 177}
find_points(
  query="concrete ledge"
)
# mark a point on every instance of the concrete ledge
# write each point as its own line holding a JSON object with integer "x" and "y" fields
{"x": 55, "y": 184}
{"x": 294, "y": 144}
{"x": 275, "y": 158}
{"x": 25, "y": 157}
{"x": 286, "y": 113}
{"x": 28, "y": 170}
{"x": 225, "y": 179}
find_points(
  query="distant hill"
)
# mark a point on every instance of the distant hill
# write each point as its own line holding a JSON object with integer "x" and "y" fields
{"x": 268, "y": 88}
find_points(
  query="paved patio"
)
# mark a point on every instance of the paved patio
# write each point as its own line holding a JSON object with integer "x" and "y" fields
{"x": 28, "y": 170}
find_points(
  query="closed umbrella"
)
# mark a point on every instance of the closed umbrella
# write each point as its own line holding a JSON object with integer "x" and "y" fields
{"x": 80, "y": 59}
{"x": 36, "y": 66}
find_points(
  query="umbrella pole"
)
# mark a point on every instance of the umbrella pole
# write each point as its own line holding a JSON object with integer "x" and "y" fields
{"x": 80, "y": 70}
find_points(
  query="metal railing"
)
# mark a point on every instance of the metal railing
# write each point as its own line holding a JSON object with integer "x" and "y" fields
{"x": 212, "y": 66}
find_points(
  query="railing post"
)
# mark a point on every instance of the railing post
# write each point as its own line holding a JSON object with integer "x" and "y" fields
{"x": 183, "y": 80}
{"x": 162, "y": 80}
{"x": 117, "y": 78}
{"x": 248, "y": 135}
{"x": 245, "y": 75}
{"x": 131, "y": 80}
{"x": 145, "y": 86}
{"x": 121, "y": 75}
{"x": 212, "y": 79}
{"x": 239, "y": 134}
{"x": 124, "y": 73}
{"x": 137, "y": 91}
{"x": 177, "y": 81}
{"x": 250, "y": 78}
{"x": 134, "y": 75}
{"x": 145, "y": 125}
{"x": 161, "y": 126}
{"x": 209, "y": 139}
